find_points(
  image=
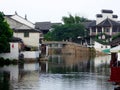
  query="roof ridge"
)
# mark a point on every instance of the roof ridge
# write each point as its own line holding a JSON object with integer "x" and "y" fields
{"x": 23, "y": 18}
{"x": 109, "y": 21}
{"x": 22, "y": 23}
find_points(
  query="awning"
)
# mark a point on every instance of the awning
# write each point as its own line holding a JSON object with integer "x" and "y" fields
{"x": 106, "y": 51}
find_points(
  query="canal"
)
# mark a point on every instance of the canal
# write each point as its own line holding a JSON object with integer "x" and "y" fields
{"x": 60, "y": 72}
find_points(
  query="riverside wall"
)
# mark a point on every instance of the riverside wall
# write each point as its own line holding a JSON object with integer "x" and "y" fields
{"x": 75, "y": 49}
{"x": 71, "y": 49}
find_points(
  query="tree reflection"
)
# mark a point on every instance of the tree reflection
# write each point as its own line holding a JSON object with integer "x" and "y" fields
{"x": 4, "y": 80}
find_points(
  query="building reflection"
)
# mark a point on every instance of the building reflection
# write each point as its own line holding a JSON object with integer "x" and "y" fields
{"x": 27, "y": 75}
{"x": 73, "y": 63}
{"x": 102, "y": 64}
{"x": 23, "y": 72}
{"x": 13, "y": 70}
{"x": 29, "y": 71}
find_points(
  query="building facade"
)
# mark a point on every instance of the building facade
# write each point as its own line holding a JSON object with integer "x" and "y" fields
{"x": 105, "y": 23}
{"x": 24, "y": 29}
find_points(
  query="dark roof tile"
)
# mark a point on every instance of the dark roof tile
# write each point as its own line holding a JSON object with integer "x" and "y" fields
{"x": 27, "y": 30}
{"x": 107, "y": 11}
{"x": 92, "y": 24}
{"x": 16, "y": 39}
{"x": 108, "y": 22}
{"x": 99, "y": 15}
{"x": 115, "y": 16}
{"x": 43, "y": 25}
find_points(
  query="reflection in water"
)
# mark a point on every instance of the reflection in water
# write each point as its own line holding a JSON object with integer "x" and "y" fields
{"x": 4, "y": 80}
{"x": 60, "y": 72}
{"x": 71, "y": 63}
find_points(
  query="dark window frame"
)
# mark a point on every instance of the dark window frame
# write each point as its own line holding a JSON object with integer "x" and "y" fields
{"x": 26, "y": 34}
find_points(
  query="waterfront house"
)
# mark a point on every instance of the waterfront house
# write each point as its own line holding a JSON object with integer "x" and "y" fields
{"x": 102, "y": 29}
{"x": 105, "y": 23}
{"x": 25, "y": 30}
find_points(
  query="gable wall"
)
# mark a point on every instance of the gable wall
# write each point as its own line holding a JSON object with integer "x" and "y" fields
{"x": 104, "y": 16}
{"x": 32, "y": 40}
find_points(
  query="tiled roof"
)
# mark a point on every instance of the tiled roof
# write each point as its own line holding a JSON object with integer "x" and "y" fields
{"x": 115, "y": 16}
{"x": 16, "y": 39}
{"x": 107, "y": 11}
{"x": 89, "y": 23}
{"x": 108, "y": 22}
{"x": 43, "y": 25}
{"x": 99, "y": 15}
{"x": 92, "y": 24}
{"x": 21, "y": 20}
{"x": 115, "y": 42}
{"x": 8, "y": 15}
{"x": 26, "y": 30}
{"x": 56, "y": 24}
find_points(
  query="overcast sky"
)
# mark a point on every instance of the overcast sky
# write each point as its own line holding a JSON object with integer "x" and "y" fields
{"x": 53, "y": 10}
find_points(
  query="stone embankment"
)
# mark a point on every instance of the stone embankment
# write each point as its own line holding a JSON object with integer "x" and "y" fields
{"x": 72, "y": 49}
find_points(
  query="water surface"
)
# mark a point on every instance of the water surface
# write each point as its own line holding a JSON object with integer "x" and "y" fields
{"x": 60, "y": 72}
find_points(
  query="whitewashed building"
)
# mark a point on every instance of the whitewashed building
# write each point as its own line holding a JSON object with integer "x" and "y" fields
{"x": 24, "y": 29}
{"x": 15, "y": 48}
{"x": 106, "y": 23}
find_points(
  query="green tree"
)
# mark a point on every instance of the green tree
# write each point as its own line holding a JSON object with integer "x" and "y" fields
{"x": 73, "y": 19}
{"x": 5, "y": 34}
{"x": 70, "y": 30}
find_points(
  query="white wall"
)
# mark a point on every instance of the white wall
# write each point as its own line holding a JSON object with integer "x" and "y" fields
{"x": 31, "y": 54}
{"x": 100, "y": 47}
{"x": 14, "y": 52}
{"x": 104, "y": 16}
{"x": 32, "y": 40}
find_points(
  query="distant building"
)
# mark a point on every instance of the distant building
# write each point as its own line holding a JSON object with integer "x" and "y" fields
{"x": 45, "y": 27}
{"x": 24, "y": 29}
{"x": 106, "y": 23}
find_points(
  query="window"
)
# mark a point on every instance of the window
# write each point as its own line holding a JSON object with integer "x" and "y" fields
{"x": 93, "y": 30}
{"x": 115, "y": 29}
{"x": 107, "y": 29}
{"x": 99, "y": 29}
{"x": 26, "y": 34}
